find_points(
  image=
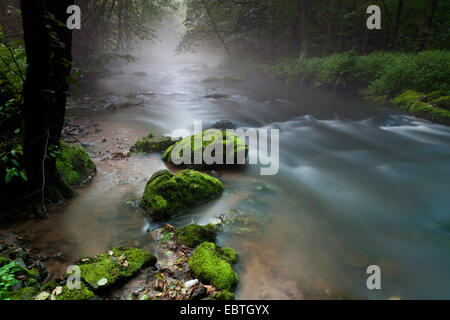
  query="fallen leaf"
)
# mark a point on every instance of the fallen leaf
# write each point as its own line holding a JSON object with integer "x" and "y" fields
{"x": 43, "y": 296}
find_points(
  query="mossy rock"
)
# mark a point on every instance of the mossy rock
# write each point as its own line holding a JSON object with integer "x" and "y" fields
{"x": 213, "y": 265}
{"x": 84, "y": 293}
{"x": 433, "y": 95}
{"x": 442, "y": 102}
{"x": 49, "y": 286}
{"x": 224, "y": 295}
{"x": 4, "y": 261}
{"x": 192, "y": 235}
{"x": 111, "y": 268}
{"x": 152, "y": 143}
{"x": 204, "y": 143}
{"x": 412, "y": 102}
{"x": 167, "y": 195}
{"x": 74, "y": 164}
{"x": 408, "y": 98}
{"x": 232, "y": 79}
{"x": 28, "y": 293}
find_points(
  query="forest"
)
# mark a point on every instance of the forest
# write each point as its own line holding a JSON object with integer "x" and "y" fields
{"x": 108, "y": 186}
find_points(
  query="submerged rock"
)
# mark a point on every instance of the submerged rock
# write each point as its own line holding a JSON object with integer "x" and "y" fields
{"x": 232, "y": 79}
{"x": 192, "y": 235}
{"x": 211, "y": 79}
{"x": 233, "y": 147}
{"x": 167, "y": 195}
{"x": 217, "y": 96}
{"x": 213, "y": 265}
{"x": 74, "y": 164}
{"x": 152, "y": 143}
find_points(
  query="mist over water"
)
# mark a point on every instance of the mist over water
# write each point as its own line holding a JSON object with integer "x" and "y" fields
{"x": 359, "y": 184}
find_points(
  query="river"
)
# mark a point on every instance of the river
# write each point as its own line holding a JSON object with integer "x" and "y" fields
{"x": 359, "y": 184}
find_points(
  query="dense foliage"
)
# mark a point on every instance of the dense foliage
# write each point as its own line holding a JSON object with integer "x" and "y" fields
{"x": 377, "y": 74}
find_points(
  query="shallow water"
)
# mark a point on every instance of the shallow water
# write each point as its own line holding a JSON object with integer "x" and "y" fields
{"x": 359, "y": 184}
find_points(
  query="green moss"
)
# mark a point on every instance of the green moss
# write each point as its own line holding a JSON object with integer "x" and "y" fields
{"x": 73, "y": 163}
{"x": 109, "y": 268}
{"x": 224, "y": 295}
{"x": 49, "y": 286}
{"x": 433, "y": 95}
{"x": 442, "y": 102}
{"x": 205, "y": 142}
{"x": 4, "y": 261}
{"x": 29, "y": 293}
{"x": 75, "y": 294}
{"x": 412, "y": 102}
{"x": 232, "y": 79}
{"x": 214, "y": 265}
{"x": 408, "y": 98}
{"x": 192, "y": 235}
{"x": 152, "y": 143}
{"x": 167, "y": 195}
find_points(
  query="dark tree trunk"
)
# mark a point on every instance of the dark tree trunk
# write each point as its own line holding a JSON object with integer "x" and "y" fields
{"x": 426, "y": 27}
{"x": 303, "y": 27}
{"x": 328, "y": 31}
{"x": 398, "y": 17}
{"x": 341, "y": 28}
{"x": 45, "y": 93}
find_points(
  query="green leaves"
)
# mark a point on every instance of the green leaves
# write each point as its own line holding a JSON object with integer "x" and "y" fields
{"x": 13, "y": 166}
{"x": 7, "y": 278}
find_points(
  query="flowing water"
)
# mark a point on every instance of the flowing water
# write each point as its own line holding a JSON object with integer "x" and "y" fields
{"x": 359, "y": 184}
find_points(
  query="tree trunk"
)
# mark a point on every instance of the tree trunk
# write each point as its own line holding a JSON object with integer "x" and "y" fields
{"x": 328, "y": 31}
{"x": 45, "y": 93}
{"x": 398, "y": 17}
{"x": 425, "y": 28}
{"x": 303, "y": 28}
{"x": 341, "y": 28}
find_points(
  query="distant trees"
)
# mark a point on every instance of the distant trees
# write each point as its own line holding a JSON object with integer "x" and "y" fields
{"x": 276, "y": 28}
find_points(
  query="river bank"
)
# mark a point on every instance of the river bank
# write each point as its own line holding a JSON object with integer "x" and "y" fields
{"x": 381, "y": 76}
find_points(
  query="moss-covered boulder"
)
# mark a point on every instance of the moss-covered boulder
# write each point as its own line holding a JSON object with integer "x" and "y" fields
{"x": 413, "y": 103}
{"x": 84, "y": 293}
{"x": 433, "y": 96}
{"x": 74, "y": 164}
{"x": 205, "y": 143}
{"x": 409, "y": 98}
{"x": 224, "y": 295}
{"x": 213, "y": 265}
{"x": 192, "y": 235}
{"x": 118, "y": 264}
{"x": 152, "y": 143}
{"x": 167, "y": 195}
{"x": 442, "y": 102}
